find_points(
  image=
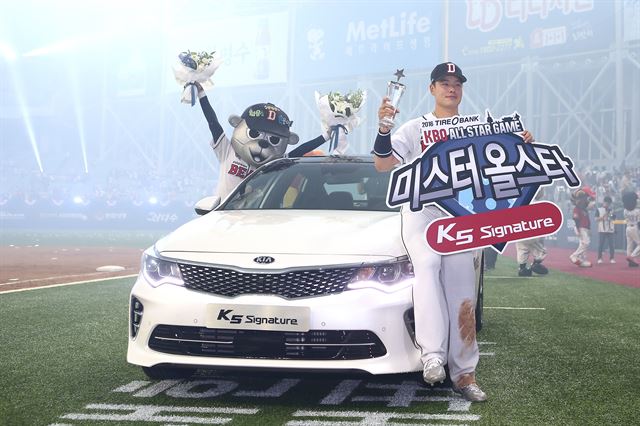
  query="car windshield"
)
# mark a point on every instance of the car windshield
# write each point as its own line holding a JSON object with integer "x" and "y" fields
{"x": 312, "y": 185}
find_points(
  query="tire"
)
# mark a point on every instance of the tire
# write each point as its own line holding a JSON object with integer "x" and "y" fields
{"x": 480, "y": 299}
{"x": 161, "y": 372}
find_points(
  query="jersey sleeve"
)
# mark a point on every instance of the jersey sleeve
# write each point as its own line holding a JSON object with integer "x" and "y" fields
{"x": 212, "y": 121}
{"x": 402, "y": 143}
{"x": 306, "y": 147}
{"x": 221, "y": 148}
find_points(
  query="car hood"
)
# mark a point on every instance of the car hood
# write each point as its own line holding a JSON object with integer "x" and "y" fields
{"x": 292, "y": 237}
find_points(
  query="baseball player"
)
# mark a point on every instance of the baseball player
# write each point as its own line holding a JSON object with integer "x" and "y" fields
{"x": 261, "y": 134}
{"x": 632, "y": 217}
{"x": 444, "y": 292}
{"x": 533, "y": 247}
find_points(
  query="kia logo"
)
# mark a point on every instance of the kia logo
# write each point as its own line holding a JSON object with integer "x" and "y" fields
{"x": 264, "y": 259}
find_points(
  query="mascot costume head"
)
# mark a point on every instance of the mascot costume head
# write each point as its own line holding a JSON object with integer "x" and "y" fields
{"x": 261, "y": 134}
{"x": 583, "y": 197}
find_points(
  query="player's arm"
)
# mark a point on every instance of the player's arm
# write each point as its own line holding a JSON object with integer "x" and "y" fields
{"x": 382, "y": 151}
{"x": 209, "y": 114}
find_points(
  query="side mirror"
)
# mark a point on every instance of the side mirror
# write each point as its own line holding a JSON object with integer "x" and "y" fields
{"x": 207, "y": 204}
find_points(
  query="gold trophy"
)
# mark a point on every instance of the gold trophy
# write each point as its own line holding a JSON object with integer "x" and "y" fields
{"x": 395, "y": 89}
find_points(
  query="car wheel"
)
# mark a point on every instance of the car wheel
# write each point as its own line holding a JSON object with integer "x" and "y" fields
{"x": 480, "y": 299}
{"x": 161, "y": 372}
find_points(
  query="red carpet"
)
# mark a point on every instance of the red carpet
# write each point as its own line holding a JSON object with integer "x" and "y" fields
{"x": 618, "y": 273}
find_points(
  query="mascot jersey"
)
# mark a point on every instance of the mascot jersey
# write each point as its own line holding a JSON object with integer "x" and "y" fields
{"x": 233, "y": 169}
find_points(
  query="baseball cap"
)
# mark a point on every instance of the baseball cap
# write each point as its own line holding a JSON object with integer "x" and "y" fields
{"x": 267, "y": 117}
{"x": 447, "y": 68}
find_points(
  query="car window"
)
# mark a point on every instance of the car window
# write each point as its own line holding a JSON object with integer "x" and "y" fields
{"x": 313, "y": 186}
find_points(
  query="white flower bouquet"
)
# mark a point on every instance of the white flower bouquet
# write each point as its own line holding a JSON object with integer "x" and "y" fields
{"x": 338, "y": 113}
{"x": 195, "y": 67}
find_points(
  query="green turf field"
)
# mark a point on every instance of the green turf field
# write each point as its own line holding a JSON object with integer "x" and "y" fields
{"x": 575, "y": 362}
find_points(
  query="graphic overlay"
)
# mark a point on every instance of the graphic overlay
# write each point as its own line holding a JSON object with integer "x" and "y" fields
{"x": 485, "y": 176}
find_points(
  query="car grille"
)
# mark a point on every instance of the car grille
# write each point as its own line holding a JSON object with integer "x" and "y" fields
{"x": 224, "y": 343}
{"x": 291, "y": 285}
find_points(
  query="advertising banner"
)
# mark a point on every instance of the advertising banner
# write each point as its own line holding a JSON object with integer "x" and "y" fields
{"x": 487, "y": 31}
{"x": 360, "y": 39}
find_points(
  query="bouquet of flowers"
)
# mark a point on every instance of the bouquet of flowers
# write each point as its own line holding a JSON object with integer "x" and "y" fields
{"x": 195, "y": 67}
{"x": 339, "y": 116}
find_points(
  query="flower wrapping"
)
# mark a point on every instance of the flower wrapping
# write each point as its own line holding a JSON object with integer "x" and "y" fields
{"x": 338, "y": 113}
{"x": 195, "y": 67}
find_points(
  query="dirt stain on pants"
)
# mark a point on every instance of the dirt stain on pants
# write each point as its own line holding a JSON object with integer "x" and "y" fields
{"x": 467, "y": 322}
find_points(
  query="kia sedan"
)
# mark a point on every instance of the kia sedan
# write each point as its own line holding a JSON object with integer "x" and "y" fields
{"x": 301, "y": 267}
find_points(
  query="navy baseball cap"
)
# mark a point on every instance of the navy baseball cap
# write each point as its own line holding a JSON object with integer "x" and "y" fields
{"x": 445, "y": 69}
{"x": 268, "y": 118}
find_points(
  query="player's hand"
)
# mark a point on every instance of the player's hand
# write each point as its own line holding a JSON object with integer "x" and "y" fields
{"x": 386, "y": 110}
{"x": 527, "y": 136}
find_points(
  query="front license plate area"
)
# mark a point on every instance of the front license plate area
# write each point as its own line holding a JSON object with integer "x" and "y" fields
{"x": 258, "y": 317}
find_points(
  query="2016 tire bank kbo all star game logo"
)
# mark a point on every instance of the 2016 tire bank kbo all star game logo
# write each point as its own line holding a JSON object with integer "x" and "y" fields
{"x": 485, "y": 176}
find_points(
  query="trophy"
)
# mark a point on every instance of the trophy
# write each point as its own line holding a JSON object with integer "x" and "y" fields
{"x": 395, "y": 89}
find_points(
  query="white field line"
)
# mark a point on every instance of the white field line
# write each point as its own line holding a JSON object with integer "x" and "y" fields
{"x": 66, "y": 284}
{"x": 90, "y": 274}
{"x": 514, "y": 308}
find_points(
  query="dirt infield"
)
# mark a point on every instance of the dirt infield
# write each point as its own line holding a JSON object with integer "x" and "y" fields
{"x": 37, "y": 266}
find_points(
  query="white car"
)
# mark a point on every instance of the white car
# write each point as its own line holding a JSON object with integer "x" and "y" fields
{"x": 301, "y": 267}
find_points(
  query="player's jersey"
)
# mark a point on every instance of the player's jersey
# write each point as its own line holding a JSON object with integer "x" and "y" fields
{"x": 632, "y": 216}
{"x": 415, "y": 136}
{"x": 411, "y": 140}
{"x": 232, "y": 168}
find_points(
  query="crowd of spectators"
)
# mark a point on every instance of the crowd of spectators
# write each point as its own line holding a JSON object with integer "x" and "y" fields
{"x": 604, "y": 182}
{"x": 112, "y": 187}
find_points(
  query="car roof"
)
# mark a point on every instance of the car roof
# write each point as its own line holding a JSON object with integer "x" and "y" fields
{"x": 331, "y": 159}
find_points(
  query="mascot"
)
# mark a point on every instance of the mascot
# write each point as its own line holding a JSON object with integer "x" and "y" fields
{"x": 582, "y": 200}
{"x": 262, "y": 132}
{"x": 632, "y": 218}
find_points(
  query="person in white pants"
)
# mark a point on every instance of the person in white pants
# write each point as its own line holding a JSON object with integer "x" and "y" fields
{"x": 533, "y": 247}
{"x": 632, "y": 218}
{"x": 444, "y": 293}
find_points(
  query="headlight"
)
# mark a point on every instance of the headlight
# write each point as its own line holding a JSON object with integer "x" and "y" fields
{"x": 158, "y": 271}
{"x": 387, "y": 277}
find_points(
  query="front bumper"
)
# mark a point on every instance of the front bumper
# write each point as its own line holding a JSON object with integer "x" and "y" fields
{"x": 364, "y": 309}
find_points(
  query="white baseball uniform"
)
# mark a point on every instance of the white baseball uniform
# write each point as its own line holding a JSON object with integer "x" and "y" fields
{"x": 633, "y": 234}
{"x": 232, "y": 168}
{"x": 444, "y": 294}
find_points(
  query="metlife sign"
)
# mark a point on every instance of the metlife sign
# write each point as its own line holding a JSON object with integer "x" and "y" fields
{"x": 357, "y": 38}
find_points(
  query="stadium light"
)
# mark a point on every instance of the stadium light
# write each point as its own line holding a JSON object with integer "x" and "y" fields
{"x": 26, "y": 117}
{"x": 78, "y": 199}
{"x": 79, "y": 117}
{"x": 153, "y": 200}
